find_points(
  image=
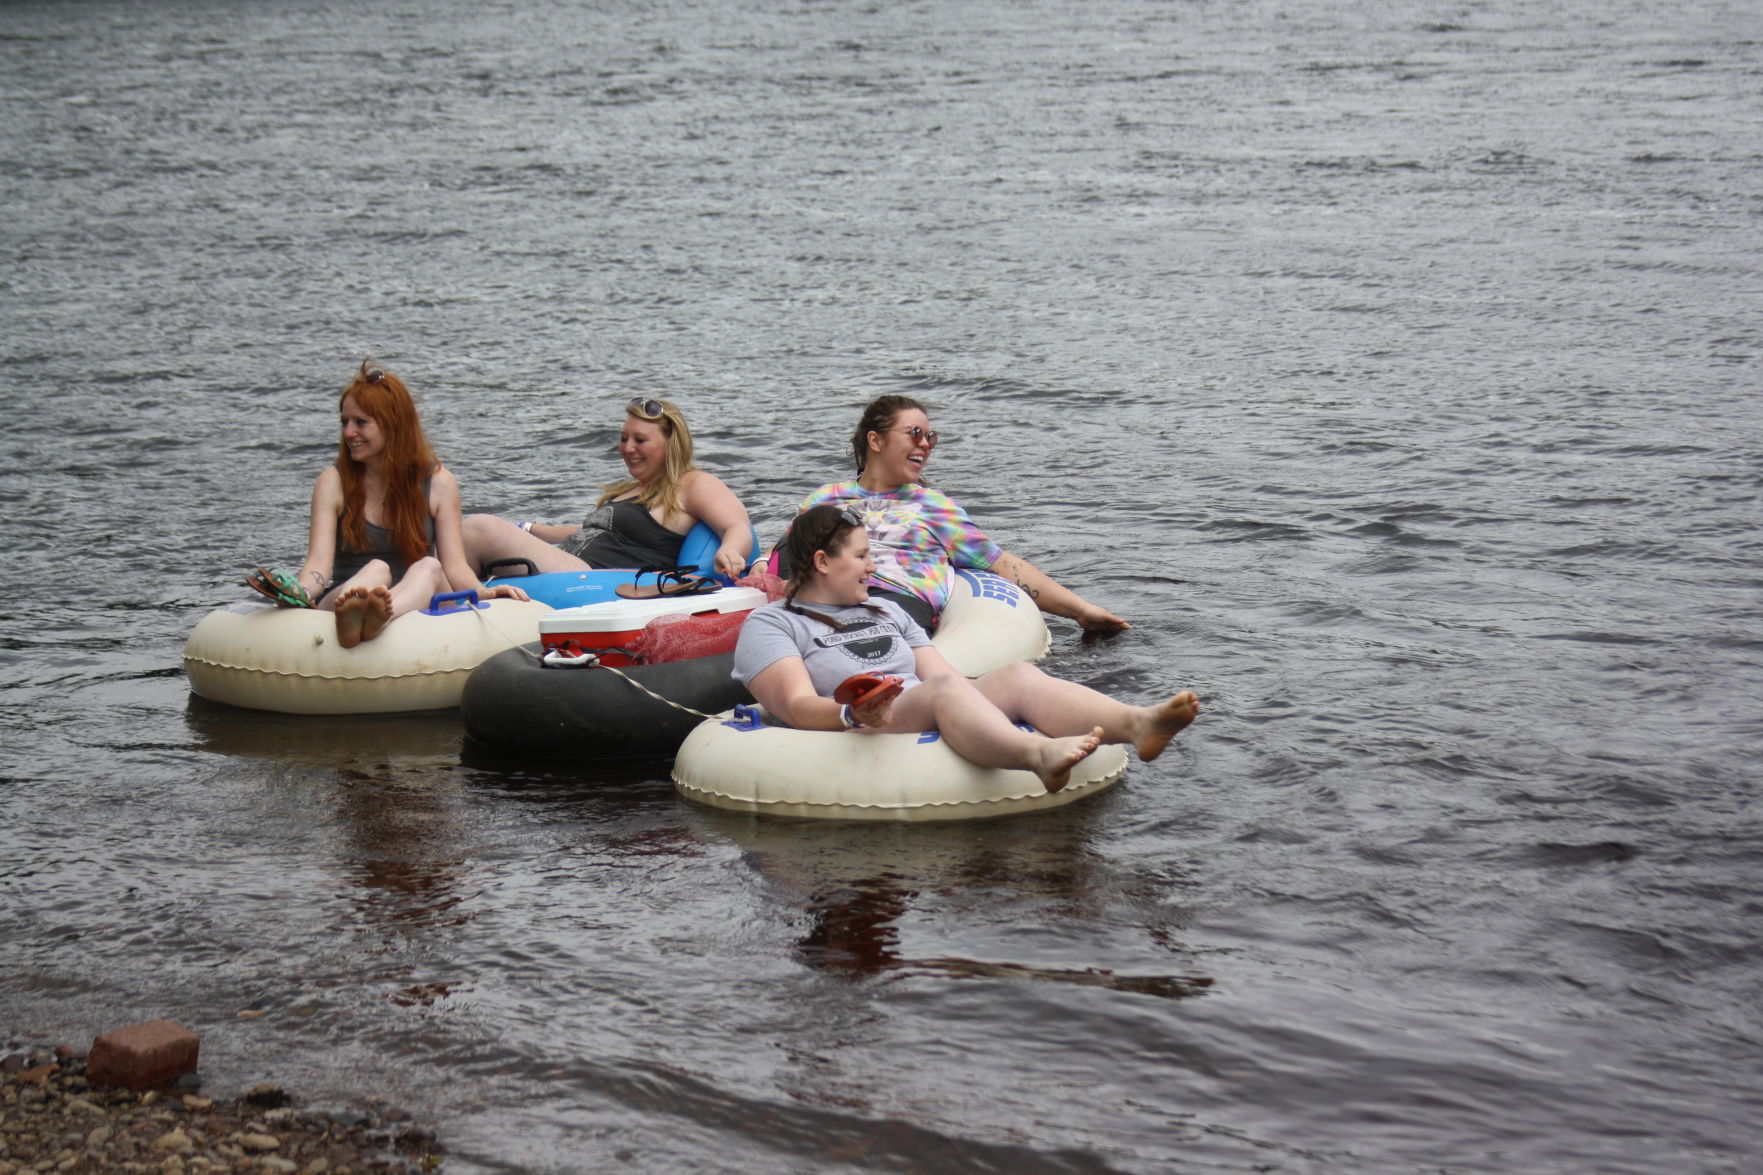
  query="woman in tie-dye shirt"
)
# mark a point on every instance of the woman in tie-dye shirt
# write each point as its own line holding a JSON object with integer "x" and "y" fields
{"x": 919, "y": 536}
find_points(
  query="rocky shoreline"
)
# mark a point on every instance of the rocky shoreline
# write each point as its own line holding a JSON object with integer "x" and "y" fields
{"x": 52, "y": 1120}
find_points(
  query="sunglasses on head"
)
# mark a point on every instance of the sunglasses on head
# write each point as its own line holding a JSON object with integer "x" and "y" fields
{"x": 371, "y": 371}
{"x": 646, "y": 409}
{"x": 851, "y": 516}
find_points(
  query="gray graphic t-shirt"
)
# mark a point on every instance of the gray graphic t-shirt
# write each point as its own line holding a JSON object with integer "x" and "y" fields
{"x": 875, "y": 639}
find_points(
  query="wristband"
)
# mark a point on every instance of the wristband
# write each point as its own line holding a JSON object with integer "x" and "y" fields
{"x": 848, "y": 718}
{"x": 526, "y": 526}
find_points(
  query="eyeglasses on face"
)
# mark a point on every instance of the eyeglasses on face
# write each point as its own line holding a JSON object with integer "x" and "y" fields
{"x": 918, "y": 433}
{"x": 646, "y": 409}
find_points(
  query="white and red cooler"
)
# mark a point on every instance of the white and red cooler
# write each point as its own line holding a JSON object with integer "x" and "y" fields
{"x": 612, "y": 630}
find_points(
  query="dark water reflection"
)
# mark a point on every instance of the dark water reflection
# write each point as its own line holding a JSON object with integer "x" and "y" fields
{"x": 856, "y": 887}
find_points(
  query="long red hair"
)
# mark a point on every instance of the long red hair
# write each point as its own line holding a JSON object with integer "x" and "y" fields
{"x": 406, "y": 460}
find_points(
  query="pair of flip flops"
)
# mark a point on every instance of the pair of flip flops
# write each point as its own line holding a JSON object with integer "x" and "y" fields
{"x": 280, "y": 585}
{"x": 676, "y": 581}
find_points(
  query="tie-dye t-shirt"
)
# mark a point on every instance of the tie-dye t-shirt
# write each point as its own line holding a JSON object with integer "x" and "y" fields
{"x": 917, "y": 537}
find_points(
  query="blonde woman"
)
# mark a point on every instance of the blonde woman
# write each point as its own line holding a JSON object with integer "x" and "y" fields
{"x": 639, "y": 522}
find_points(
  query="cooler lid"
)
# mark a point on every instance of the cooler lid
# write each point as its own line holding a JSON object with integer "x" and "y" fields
{"x": 621, "y": 615}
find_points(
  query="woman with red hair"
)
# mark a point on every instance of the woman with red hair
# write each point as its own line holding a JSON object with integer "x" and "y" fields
{"x": 385, "y": 534}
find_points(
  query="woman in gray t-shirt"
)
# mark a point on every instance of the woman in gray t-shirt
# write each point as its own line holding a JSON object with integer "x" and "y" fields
{"x": 794, "y": 653}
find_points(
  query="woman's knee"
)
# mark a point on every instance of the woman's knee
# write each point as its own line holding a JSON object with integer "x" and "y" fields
{"x": 1016, "y": 680}
{"x": 1016, "y": 673}
{"x": 944, "y": 691}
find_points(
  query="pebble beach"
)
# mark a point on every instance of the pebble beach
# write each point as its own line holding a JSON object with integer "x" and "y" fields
{"x": 53, "y": 1120}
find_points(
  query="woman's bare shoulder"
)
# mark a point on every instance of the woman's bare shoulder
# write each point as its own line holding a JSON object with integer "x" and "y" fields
{"x": 443, "y": 488}
{"x": 328, "y": 485}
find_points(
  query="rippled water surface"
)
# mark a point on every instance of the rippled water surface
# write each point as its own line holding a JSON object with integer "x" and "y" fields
{"x": 1393, "y": 367}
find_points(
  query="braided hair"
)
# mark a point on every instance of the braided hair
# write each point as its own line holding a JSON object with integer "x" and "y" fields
{"x": 826, "y": 527}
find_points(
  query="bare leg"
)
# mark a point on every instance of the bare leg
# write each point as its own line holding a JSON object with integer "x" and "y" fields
{"x": 981, "y": 733}
{"x": 421, "y": 583}
{"x": 350, "y": 600}
{"x": 377, "y": 613}
{"x": 1059, "y": 707}
{"x": 351, "y": 615}
{"x": 488, "y": 538}
{"x": 375, "y": 574}
{"x": 1060, "y": 755}
{"x": 365, "y": 603}
{"x": 1164, "y": 722}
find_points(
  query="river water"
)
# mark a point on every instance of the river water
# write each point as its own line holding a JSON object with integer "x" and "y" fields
{"x": 1393, "y": 367}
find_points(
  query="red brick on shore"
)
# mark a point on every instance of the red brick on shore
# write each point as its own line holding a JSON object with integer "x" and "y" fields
{"x": 153, "y": 1053}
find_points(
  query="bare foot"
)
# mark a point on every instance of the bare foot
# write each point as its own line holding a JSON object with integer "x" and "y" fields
{"x": 378, "y": 613}
{"x": 1164, "y": 722}
{"x": 351, "y": 614}
{"x": 1060, "y": 755}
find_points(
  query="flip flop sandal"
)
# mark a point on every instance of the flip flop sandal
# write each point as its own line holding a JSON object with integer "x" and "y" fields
{"x": 860, "y": 689}
{"x": 668, "y": 582}
{"x": 280, "y": 586}
{"x": 260, "y": 587}
{"x": 680, "y": 583}
{"x": 636, "y": 589}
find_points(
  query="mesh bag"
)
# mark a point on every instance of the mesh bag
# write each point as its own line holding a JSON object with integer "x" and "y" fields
{"x": 773, "y": 587}
{"x": 684, "y": 638}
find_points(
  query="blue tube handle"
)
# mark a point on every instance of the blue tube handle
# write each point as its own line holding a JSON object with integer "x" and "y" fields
{"x": 437, "y": 603}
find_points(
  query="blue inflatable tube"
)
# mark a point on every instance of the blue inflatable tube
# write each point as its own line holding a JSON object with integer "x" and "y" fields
{"x": 572, "y": 589}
